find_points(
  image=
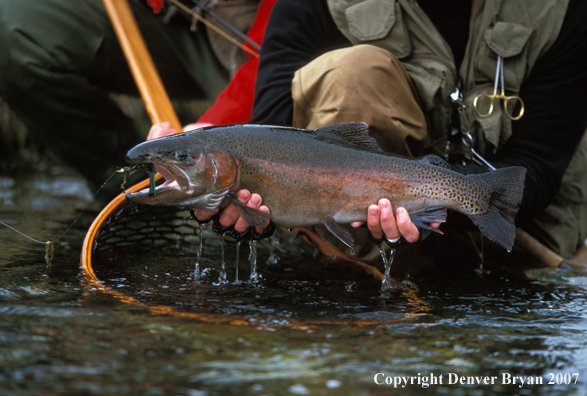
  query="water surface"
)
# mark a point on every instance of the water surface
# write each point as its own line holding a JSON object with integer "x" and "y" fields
{"x": 309, "y": 326}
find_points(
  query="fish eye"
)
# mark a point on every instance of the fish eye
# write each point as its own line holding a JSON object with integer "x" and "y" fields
{"x": 180, "y": 155}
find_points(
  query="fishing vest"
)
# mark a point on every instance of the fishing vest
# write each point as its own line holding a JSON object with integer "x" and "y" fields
{"x": 520, "y": 31}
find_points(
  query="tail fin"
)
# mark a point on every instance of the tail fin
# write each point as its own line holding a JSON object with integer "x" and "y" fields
{"x": 507, "y": 187}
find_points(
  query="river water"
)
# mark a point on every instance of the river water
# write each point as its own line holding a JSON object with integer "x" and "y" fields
{"x": 308, "y": 326}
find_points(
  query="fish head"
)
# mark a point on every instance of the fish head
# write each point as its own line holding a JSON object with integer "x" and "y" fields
{"x": 197, "y": 174}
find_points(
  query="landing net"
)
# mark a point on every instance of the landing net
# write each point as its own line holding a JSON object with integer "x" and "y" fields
{"x": 127, "y": 238}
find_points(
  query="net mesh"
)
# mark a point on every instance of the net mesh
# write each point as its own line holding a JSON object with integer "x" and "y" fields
{"x": 152, "y": 226}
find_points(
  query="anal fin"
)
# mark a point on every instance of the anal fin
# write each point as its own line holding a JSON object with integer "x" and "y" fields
{"x": 332, "y": 232}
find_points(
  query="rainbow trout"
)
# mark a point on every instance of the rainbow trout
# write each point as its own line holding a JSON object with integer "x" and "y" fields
{"x": 322, "y": 178}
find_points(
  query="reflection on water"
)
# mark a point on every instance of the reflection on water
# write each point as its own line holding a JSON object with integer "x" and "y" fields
{"x": 307, "y": 327}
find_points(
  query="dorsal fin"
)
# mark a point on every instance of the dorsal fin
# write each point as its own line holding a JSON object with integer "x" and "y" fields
{"x": 435, "y": 160}
{"x": 356, "y": 133}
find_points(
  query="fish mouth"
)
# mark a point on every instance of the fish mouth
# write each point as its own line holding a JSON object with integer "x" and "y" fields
{"x": 175, "y": 189}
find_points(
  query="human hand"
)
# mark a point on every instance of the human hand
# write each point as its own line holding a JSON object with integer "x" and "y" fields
{"x": 164, "y": 129}
{"x": 196, "y": 125}
{"x": 160, "y": 130}
{"x": 381, "y": 222}
{"x": 230, "y": 216}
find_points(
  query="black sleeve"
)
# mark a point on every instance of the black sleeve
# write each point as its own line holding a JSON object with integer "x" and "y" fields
{"x": 545, "y": 139}
{"x": 297, "y": 32}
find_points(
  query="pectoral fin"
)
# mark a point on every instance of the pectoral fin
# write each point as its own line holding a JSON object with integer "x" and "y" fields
{"x": 422, "y": 218}
{"x": 332, "y": 232}
{"x": 252, "y": 216}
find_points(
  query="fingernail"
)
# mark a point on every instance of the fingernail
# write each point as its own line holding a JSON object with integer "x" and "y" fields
{"x": 243, "y": 195}
{"x": 384, "y": 204}
{"x": 254, "y": 201}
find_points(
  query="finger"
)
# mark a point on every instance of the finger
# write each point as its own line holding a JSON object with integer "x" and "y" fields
{"x": 254, "y": 202}
{"x": 373, "y": 223}
{"x": 405, "y": 226}
{"x": 229, "y": 215}
{"x": 388, "y": 223}
{"x": 160, "y": 130}
{"x": 205, "y": 215}
{"x": 260, "y": 228}
{"x": 196, "y": 125}
{"x": 356, "y": 224}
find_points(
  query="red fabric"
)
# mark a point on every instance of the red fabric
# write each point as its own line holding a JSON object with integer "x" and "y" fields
{"x": 234, "y": 105}
{"x": 157, "y": 5}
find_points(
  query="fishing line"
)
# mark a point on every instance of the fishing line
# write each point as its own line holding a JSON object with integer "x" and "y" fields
{"x": 50, "y": 245}
{"x": 24, "y": 235}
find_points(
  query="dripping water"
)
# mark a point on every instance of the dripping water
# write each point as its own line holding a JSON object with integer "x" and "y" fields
{"x": 254, "y": 278}
{"x": 387, "y": 261}
{"x": 197, "y": 272}
{"x": 222, "y": 278}
{"x": 238, "y": 248}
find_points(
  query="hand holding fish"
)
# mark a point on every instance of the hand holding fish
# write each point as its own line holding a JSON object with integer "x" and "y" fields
{"x": 382, "y": 223}
{"x": 230, "y": 216}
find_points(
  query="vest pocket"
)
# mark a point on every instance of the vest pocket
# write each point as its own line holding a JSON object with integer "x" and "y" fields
{"x": 508, "y": 40}
{"x": 373, "y": 20}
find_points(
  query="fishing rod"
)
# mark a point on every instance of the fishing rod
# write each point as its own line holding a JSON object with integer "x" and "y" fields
{"x": 224, "y": 23}
{"x": 193, "y": 12}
